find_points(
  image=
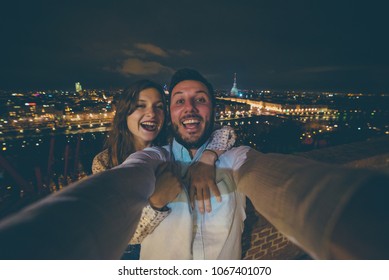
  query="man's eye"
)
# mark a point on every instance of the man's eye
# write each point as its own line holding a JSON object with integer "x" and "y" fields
{"x": 180, "y": 101}
{"x": 201, "y": 100}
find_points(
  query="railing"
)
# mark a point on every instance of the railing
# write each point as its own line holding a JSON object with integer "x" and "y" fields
{"x": 330, "y": 211}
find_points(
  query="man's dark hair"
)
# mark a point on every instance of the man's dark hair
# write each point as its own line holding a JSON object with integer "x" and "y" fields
{"x": 186, "y": 74}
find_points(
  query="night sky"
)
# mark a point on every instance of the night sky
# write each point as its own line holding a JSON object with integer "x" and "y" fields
{"x": 297, "y": 45}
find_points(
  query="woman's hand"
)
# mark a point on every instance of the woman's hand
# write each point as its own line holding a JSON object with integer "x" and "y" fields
{"x": 167, "y": 186}
{"x": 202, "y": 181}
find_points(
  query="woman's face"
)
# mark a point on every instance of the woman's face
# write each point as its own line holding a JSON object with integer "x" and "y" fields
{"x": 146, "y": 121}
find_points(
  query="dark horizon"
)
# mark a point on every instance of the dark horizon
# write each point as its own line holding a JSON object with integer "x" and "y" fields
{"x": 322, "y": 46}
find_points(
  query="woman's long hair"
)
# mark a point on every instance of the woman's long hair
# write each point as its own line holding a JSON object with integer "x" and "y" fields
{"x": 120, "y": 141}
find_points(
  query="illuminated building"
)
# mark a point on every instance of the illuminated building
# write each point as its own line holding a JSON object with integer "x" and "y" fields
{"x": 280, "y": 108}
{"x": 78, "y": 87}
{"x": 234, "y": 89}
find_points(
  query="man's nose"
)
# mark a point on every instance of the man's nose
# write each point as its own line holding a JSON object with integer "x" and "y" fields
{"x": 190, "y": 106}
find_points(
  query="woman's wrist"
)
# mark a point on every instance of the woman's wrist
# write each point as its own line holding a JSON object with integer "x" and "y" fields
{"x": 209, "y": 157}
{"x": 158, "y": 206}
{"x": 162, "y": 209}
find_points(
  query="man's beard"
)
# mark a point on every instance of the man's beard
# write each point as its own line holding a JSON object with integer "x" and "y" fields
{"x": 195, "y": 144}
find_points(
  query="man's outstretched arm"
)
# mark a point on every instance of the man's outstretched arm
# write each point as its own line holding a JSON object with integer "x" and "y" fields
{"x": 332, "y": 212}
{"x": 90, "y": 219}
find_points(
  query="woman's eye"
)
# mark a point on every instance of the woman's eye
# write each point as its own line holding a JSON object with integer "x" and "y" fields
{"x": 158, "y": 106}
{"x": 140, "y": 106}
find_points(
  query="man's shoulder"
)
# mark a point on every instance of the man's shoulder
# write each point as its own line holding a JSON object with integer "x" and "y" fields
{"x": 235, "y": 155}
{"x": 239, "y": 149}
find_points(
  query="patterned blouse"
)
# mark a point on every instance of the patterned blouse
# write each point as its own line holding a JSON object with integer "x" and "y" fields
{"x": 221, "y": 140}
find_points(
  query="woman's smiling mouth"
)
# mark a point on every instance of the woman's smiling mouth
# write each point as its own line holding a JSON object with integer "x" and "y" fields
{"x": 149, "y": 125}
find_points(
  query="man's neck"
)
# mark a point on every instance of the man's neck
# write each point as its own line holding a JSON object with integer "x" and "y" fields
{"x": 187, "y": 153}
{"x": 192, "y": 152}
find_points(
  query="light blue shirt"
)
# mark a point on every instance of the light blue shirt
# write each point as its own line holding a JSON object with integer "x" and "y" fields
{"x": 187, "y": 234}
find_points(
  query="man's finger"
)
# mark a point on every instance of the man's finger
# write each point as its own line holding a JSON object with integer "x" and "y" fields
{"x": 192, "y": 194}
{"x": 208, "y": 206}
{"x": 206, "y": 193}
{"x": 216, "y": 192}
{"x": 207, "y": 199}
{"x": 200, "y": 201}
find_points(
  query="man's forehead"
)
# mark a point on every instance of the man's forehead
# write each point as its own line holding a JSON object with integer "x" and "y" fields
{"x": 190, "y": 85}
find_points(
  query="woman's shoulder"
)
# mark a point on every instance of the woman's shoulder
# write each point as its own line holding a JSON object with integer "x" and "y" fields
{"x": 100, "y": 162}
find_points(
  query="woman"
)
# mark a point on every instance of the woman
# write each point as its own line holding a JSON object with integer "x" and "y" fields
{"x": 133, "y": 129}
{"x": 140, "y": 122}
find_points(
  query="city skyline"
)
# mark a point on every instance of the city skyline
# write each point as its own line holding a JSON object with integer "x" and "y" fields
{"x": 321, "y": 46}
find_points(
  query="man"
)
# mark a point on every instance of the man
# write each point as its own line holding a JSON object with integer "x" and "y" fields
{"x": 188, "y": 233}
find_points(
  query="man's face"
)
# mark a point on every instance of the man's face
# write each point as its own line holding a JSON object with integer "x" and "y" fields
{"x": 191, "y": 113}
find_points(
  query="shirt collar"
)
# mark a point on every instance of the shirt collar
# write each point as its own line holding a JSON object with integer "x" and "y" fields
{"x": 182, "y": 154}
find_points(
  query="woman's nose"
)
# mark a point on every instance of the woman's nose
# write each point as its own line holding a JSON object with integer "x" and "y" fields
{"x": 150, "y": 111}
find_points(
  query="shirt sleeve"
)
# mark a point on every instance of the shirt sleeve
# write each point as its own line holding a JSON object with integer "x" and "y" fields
{"x": 222, "y": 139}
{"x": 150, "y": 218}
{"x": 238, "y": 157}
{"x": 151, "y": 157}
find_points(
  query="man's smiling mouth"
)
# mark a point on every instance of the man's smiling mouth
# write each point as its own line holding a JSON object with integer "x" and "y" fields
{"x": 191, "y": 123}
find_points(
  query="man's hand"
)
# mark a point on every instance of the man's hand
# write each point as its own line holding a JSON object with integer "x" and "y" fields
{"x": 202, "y": 181}
{"x": 167, "y": 186}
